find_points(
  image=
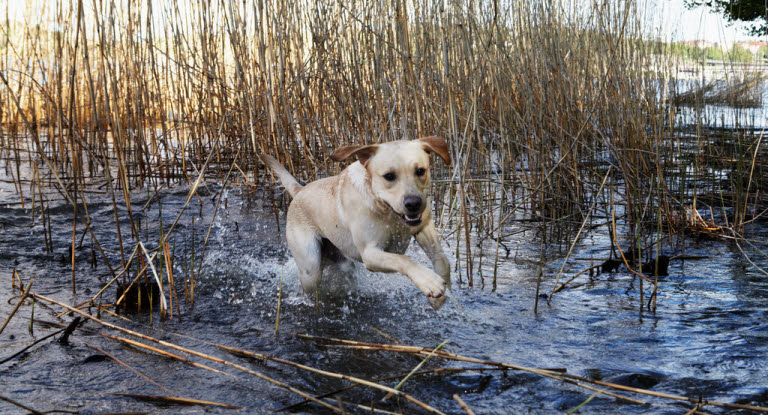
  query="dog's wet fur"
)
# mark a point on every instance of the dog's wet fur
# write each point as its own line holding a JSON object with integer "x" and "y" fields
{"x": 369, "y": 213}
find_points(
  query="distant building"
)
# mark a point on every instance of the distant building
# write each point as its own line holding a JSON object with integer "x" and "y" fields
{"x": 752, "y": 46}
{"x": 700, "y": 43}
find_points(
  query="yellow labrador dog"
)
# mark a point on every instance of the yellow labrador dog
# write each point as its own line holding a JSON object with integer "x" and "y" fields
{"x": 369, "y": 213}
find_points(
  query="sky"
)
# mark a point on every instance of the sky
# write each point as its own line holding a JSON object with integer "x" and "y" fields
{"x": 678, "y": 23}
{"x": 670, "y": 18}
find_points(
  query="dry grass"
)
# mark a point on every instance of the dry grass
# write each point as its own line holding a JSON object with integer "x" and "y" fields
{"x": 536, "y": 99}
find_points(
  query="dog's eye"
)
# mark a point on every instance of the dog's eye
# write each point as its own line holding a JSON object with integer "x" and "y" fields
{"x": 390, "y": 177}
{"x": 420, "y": 171}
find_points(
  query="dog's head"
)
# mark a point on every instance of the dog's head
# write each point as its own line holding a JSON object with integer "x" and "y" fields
{"x": 399, "y": 172}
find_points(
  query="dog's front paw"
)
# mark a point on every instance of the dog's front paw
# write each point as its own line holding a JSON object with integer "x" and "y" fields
{"x": 436, "y": 303}
{"x": 432, "y": 285}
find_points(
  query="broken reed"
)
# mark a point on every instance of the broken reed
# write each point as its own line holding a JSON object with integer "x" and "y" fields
{"x": 537, "y": 100}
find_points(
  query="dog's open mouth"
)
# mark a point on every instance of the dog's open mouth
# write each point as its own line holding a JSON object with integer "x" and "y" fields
{"x": 411, "y": 220}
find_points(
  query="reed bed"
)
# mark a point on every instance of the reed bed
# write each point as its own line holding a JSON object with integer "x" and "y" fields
{"x": 557, "y": 115}
{"x": 562, "y": 121}
{"x": 745, "y": 91}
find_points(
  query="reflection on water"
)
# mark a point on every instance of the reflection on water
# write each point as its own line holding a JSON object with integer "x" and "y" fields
{"x": 708, "y": 337}
{"x": 719, "y": 115}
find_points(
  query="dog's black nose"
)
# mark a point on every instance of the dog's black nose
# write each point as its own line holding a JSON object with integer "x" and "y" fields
{"x": 412, "y": 204}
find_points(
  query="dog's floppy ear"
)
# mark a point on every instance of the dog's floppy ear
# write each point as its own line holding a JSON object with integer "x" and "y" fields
{"x": 438, "y": 146}
{"x": 363, "y": 153}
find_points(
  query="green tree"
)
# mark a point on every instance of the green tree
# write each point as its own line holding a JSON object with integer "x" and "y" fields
{"x": 754, "y": 12}
{"x": 688, "y": 52}
{"x": 739, "y": 54}
{"x": 762, "y": 53}
{"x": 713, "y": 53}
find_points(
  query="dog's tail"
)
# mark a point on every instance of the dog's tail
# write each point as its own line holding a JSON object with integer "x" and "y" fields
{"x": 286, "y": 179}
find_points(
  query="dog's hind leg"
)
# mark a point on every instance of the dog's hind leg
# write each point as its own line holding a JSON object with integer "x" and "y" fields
{"x": 305, "y": 246}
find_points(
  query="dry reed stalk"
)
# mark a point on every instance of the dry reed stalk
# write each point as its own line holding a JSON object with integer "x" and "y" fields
{"x": 551, "y": 373}
{"x": 535, "y": 98}
{"x": 163, "y": 304}
{"x": 58, "y": 179}
{"x": 172, "y": 285}
{"x": 576, "y": 238}
{"x": 139, "y": 274}
{"x": 16, "y": 282}
{"x": 561, "y": 376}
{"x": 29, "y": 346}
{"x": 103, "y": 308}
{"x": 179, "y": 401}
{"x": 20, "y": 405}
{"x": 188, "y": 351}
{"x": 389, "y": 378}
{"x": 225, "y": 182}
{"x": 621, "y": 252}
{"x": 415, "y": 369}
{"x": 23, "y": 297}
{"x": 126, "y": 365}
{"x": 560, "y": 287}
{"x": 366, "y": 408}
{"x": 695, "y": 410}
{"x": 140, "y": 345}
{"x": 279, "y": 300}
{"x": 463, "y": 404}
{"x": 335, "y": 376}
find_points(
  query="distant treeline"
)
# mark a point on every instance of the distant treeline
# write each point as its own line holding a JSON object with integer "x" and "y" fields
{"x": 692, "y": 52}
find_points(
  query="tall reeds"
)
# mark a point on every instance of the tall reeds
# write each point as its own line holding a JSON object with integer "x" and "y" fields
{"x": 537, "y": 100}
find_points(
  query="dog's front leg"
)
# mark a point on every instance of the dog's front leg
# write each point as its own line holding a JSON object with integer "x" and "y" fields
{"x": 429, "y": 241}
{"x": 431, "y": 284}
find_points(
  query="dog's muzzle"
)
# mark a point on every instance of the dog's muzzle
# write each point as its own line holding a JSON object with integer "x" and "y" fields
{"x": 414, "y": 206}
{"x": 414, "y": 220}
{"x": 409, "y": 218}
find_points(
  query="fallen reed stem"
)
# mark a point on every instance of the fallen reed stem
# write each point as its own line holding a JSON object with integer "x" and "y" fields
{"x": 415, "y": 369}
{"x": 23, "y": 297}
{"x": 572, "y": 379}
{"x": 189, "y": 351}
{"x": 335, "y": 375}
{"x": 40, "y": 340}
{"x": 126, "y": 365}
{"x": 140, "y": 345}
{"x": 463, "y": 404}
{"x": 20, "y": 405}
{"x": 560, "y": 287}
{"x": 389, "y": 378}
{"x": 178, "y": 401}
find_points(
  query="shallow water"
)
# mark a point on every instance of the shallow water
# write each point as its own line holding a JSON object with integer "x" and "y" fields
{"x": 708, "y": 337}
{"x": 722, "y": 116}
